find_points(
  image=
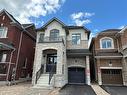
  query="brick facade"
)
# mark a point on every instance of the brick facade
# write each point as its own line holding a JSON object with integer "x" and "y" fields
{"x": 105, "y": 59}
{"x": 23, "y": 41}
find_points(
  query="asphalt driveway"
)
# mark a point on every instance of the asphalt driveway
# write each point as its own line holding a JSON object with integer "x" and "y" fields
{"x": 116, "y": 90}
{"x": 77, "y": 90}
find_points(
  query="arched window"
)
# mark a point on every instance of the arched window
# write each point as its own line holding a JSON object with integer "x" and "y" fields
{"x": 54, "y": 33}
{"x": 106, "y": 43}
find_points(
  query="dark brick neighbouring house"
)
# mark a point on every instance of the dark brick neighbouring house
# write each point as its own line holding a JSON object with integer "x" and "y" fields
{"x": 17, "y": 43}
{"x": 106, "y": 62}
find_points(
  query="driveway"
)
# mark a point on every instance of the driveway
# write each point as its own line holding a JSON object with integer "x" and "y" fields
{"x": 116, "y": 90}
{"x": 77, "y": 90}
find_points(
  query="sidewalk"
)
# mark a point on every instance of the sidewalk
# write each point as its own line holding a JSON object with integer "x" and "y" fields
{"x": 98, "y": 90}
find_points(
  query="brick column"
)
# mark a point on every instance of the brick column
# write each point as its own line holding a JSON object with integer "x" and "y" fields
{"x": 59, "y": 62}
{"x": 124, "y": 71}
{"x": 87, "y": 70}
{"x": 99, "y": 72}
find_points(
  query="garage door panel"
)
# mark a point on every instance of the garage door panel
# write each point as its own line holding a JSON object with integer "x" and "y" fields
{"x": 111, "y": 76}
{"x": 76, "y": 75}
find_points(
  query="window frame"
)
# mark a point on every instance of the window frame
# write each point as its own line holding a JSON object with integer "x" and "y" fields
{"x": 41, "y": 37}
{"x": 24, "y": 66}
{"x": 106, "y": 38}
{"x": 5, "y": 30}
{"x": 54, "y": 32}
{"x": 3, "y": 57}
{"x": 73, "y": 43}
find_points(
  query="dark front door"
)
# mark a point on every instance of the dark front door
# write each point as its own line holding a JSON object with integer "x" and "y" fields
{"x": 111, "y": 76}
{"x": 51, "y": 63}
{"x": 76, "y": 75}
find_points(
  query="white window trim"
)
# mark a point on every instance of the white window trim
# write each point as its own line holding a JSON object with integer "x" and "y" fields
{"x": 72, "y": 39}
{"x": 112, "y": 43}
{"x": 38, "y": 36}
{"x": 6, "y": 29}
{"x": 4, "y": 57}
{"x": 25, "y": 64}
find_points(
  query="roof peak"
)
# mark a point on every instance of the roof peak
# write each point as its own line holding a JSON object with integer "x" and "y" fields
{"x": 51, "y": 20}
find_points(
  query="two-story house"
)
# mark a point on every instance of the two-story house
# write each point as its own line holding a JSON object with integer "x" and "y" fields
{"x": 122, "y": 40}
{"x": 17, "y": 43}
{"x": 61, "y": 55}
{"x": 107, "y": 59}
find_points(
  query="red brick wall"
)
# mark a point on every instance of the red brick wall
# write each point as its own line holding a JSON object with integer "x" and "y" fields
{"x": 27, "y": 46}
{"x": 97, "y": 41}
{"x": 27, "y": 51}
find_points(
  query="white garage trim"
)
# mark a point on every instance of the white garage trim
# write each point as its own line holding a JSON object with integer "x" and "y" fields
{"x": 110, "y": 67}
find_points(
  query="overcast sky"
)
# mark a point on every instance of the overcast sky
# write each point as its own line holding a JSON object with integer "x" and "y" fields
{"x": 96, "y": 15}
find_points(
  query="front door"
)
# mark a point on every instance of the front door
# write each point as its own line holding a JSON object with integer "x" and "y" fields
{"x": 51, "y": 63}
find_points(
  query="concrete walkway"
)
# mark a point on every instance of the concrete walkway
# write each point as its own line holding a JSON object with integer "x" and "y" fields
{"x": 98, "y": 90}
{"x": 55, "y": 91}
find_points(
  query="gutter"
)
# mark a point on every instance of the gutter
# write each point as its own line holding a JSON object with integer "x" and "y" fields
{"x": 7, "y": 78}
{"x": 19, "y": 48}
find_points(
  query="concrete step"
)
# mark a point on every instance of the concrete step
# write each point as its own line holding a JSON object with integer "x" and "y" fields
{"x": 43, "y": 82}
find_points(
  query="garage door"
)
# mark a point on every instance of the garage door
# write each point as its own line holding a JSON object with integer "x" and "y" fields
{"x": 111, "y": 76}
{"x": 76, "y": 75}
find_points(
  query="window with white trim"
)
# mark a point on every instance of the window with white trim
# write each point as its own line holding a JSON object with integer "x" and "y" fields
{"x": 106, "y": 43}
{"x": 3, "y": 57}
{"x": 3, "y": 32}
{"x": 41, "y": 37}
{"x": 54, "y": 34}
{"x": 25, "y": 63}
{"x": 76, "y": 39}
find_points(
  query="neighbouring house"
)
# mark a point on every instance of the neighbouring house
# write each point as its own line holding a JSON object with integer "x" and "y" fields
{"x": 61, "y": 55}
{"x": 122, "y": 40}
{"x": 107, "y": 58}
{"x": 17, "y": 45}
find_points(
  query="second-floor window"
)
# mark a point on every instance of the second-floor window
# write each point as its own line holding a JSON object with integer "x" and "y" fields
{"x": 106, "y": 43}
{"x": 76, "y": 39}
{"x": 3, "y": 32}
{"x": 41, "y": 37}
{"x": 54, "y": 34}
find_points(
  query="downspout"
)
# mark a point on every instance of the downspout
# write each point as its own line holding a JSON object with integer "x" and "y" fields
{"x": 18, "y": 52}
{"x": 7, "y": 78}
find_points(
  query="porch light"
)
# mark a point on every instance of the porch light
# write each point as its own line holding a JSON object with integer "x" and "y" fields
{"x": 110, "y": 63}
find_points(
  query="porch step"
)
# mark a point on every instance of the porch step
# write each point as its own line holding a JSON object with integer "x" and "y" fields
{"x": 43, "y": 82}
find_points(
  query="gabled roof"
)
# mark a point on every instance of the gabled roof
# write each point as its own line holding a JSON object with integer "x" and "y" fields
{"x": 11, "y": 17}
{"x": 63, "y": 25}
{"x": 14, "y": 21}
{"x": 50, "y": 21}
